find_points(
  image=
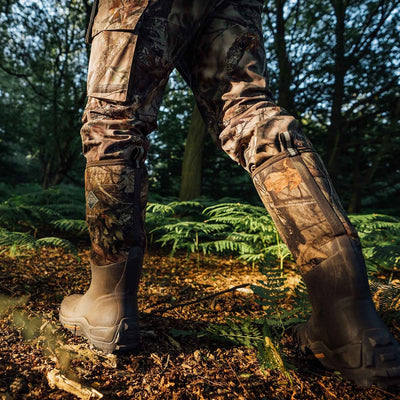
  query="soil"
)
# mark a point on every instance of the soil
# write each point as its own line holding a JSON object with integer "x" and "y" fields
{"x": 33, "y": 343}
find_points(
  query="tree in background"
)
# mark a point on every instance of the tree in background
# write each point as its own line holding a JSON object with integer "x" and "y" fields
{"x": 43, "y": 69}
{"x": 192, "y": 163}
{"x": 333, "y": 64}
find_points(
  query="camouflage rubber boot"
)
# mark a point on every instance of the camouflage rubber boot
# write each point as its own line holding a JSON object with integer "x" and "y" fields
{"x": 107, "y": 313}
{"x": 344, "y": 332}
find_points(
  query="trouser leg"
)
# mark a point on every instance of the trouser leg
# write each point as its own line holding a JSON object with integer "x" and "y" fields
{"x": 229, "y": 81}
{"x": 128, "y": 71}
{"x": 114, "y": 135}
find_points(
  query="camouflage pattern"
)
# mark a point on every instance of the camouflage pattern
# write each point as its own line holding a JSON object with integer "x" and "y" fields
{"x": 217, "y": 46}
{"x": 110, "y": 65}
{"x": 116, "y": 196}
{"x": 114, "y": 15}
{"x": 295, "y": 188}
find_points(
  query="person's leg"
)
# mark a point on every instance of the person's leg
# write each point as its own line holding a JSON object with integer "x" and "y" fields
{"x": 227, "y": 74}
{"x": 128, "y": 71}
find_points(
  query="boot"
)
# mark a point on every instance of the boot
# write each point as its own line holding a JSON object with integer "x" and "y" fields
{"x": 344, "y": 333}
{"x": 107, "y": 314}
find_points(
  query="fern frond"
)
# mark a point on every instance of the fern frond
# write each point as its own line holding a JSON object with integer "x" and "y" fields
{"x": 69, "y": 210}
{"x": 75, "y": 225}
{"x": 222, "y": 246}
{"x": 8, "y": 238}
{"x": 160, "y": 209}
{"x": 12, "y": 216}
{"x": 20, "y": 240}
{"x": 240, "y": 331}
{"x": 56, "y": 242}
{"x": 370, "y": 223}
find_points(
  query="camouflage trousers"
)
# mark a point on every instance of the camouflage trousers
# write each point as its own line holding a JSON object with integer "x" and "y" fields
{"x": 217, "y": 46}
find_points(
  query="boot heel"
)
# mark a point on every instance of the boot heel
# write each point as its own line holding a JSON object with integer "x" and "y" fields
{"x": 127, "y": 336}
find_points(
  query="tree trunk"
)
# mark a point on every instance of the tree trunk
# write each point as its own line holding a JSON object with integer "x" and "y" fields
{"x": 335, "y": 131}
{"x": 193, "y": 158}
{"x": 285, "y": 98}
{"x": 46, "y": 168}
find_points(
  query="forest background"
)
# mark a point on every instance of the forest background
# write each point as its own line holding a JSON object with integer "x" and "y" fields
{"x": 334, "y": 64}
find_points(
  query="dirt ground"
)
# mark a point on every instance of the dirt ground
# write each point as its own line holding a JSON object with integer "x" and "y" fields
{"x": 36, "y": 351}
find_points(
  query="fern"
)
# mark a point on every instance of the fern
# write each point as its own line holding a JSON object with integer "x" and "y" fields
{"x": 56, "y": 242}
{"x": 243, "y": 331}
{"x": 25, "y": 216}
{"x": 17, "y": 242}
{"x": 272, "y": 293}
{"x": 69, "y": 210}
{"x": 35, "y": 195}
{"x": 380, "y": 238}
{"x": 253, "y": 228}
{"x": 225, "y": 246}
{"x": 30, "y": 212}
{"x": 159, "y": 209}
{"x": 230, "y": 228}
{"x": 19, "y": 239}
{"x": 186, "y": 234}
{"x": 74, "y": 225}
{"x": 242, "y": 217}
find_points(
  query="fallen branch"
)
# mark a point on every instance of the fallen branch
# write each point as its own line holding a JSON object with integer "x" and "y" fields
{"x": 57, "y": 380}
{"x": 201, "y": 299}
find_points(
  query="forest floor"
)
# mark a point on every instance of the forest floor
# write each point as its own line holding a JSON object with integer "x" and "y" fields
{"x": 35, "y": 348}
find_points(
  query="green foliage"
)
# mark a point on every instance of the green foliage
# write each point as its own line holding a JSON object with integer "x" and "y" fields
{"x": 187, "y": 234}
{"x": 162, "y": 218}
{"x": 75, "y": 225}
{"x": 252, "y": 334}
{"x": 252, "y": 234}
{"x": 243, "y": 332}
{"x": 270, "y": 357}
{"x": 30, "y": 213}
{"x": 15, "y": 243}
{"x": 30, "y": 208}
{"x": 43, "y": 60}
{"x": 233, "y": 228}
{"x": 229, "y": 228}
{"x": 266, "y": 333}
{"x": 272, "y": 293}
{"x": 380, "y": 238}
{"x": 248, "y": 232}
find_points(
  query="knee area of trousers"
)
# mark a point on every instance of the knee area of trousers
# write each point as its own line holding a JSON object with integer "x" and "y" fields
{"x": 263, "y": 147}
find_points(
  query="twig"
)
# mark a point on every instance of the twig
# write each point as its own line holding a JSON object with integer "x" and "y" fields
{"x": 327, "y": 390}
{"x": 240, "y": 382}
{"x": 385, "y": 392}
{"x": 58, "y": 380}
{"x": 201, "y": 299}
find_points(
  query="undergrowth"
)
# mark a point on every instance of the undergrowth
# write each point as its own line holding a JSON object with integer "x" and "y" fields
{"x": 28, "y": 214}
{"x": 31, "y": 218}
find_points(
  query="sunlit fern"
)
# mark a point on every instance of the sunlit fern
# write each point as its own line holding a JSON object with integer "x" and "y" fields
{"x": 16, "y": 243}
{"x": 380, "y": 238}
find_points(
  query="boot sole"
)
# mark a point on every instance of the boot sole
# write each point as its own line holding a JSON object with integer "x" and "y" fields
{"x": 125, "y": 335}
{"x": 380, "y": 357}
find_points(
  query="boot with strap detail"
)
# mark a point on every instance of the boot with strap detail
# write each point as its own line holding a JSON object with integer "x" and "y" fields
{"x": 344, "y": 333}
